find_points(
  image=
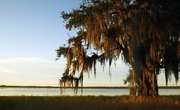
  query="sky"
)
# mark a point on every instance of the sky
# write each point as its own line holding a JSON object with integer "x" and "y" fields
{"x": 30, "y": 32}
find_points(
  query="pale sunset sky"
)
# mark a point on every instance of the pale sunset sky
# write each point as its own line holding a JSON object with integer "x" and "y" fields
{"x": 30, "y": 32}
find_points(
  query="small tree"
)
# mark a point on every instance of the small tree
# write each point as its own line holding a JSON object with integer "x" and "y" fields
{"x": 131, "y": 81}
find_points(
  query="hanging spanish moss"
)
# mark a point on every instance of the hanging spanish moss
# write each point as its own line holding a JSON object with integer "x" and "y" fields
{"x": 145, "y": 34}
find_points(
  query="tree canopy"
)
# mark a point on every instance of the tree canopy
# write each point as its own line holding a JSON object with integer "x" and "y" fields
{"x": 144, "y": 33}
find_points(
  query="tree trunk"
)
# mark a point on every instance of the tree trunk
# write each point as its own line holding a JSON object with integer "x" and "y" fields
{"x": 148, "y": 85}
{"x": 145, "y": 81}
{"x": 154, "y": 85}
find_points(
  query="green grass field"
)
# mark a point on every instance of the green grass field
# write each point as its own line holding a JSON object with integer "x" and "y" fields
{"x": 88, "y": 103}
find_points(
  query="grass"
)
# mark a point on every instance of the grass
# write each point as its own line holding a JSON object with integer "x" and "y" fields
{"x": 88, "y": 103}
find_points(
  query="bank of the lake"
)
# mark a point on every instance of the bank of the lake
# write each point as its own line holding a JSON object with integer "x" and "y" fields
{"x": 88, "y": 103}
{"x": 55, "y": 91}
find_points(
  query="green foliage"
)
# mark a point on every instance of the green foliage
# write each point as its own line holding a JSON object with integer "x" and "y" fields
{"x": 62, "y": 51}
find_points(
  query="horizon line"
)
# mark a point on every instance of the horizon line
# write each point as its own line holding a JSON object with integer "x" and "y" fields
{"x": 19, "y": 86}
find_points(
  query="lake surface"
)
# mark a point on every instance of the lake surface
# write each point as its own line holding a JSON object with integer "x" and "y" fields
{"x": 5, "y": 91}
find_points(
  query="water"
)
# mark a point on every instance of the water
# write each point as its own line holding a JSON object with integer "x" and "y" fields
{"x": 5, "y": 91}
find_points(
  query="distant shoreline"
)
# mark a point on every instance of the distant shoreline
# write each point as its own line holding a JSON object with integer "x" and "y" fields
{"x": 86, "y": 87}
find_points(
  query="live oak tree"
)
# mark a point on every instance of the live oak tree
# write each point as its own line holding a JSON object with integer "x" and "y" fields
{"x": 145, "y": 33}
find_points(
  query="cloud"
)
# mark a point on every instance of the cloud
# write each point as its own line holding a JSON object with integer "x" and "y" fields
{"x": 6, "y": 71}
{"x": 30, "y": 71}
